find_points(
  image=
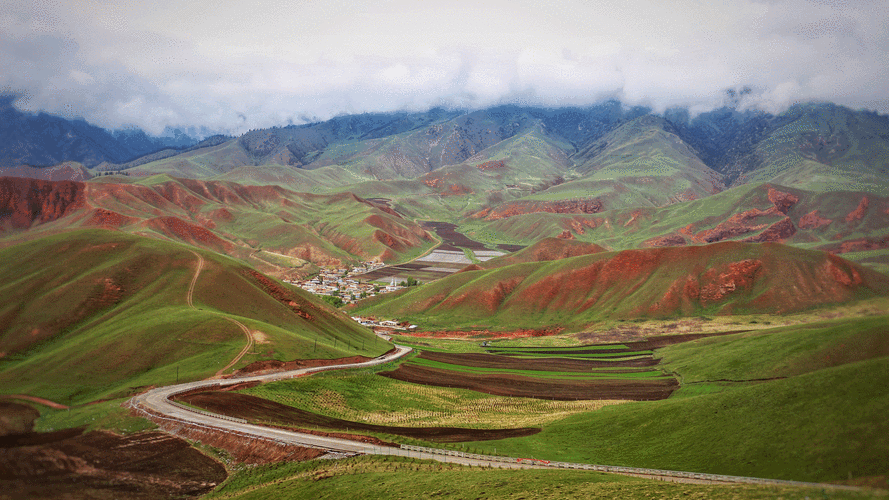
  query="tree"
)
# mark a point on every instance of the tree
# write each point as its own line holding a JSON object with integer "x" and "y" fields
{"x": 333, "y": 300}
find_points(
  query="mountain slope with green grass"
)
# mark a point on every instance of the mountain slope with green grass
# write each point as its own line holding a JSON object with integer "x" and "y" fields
{"x": 803, "y": 403}
{"x": 723, "y": 278}
{"x": 102, "y": 313}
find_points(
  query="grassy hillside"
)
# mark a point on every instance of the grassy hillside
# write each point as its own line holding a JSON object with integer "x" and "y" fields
{"x": 795, "y": 403}
{"x": 838, "y": 221}
{"x": 100, "y": 313}
{"x": 823, "y": 148}
{"x": 724, "y": 278}
{"x": 395, "y": 478}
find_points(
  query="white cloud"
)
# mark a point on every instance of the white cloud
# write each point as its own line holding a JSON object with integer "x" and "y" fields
{"x": 234, "y": 65}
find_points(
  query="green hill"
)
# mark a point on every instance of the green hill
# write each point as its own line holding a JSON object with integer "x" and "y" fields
{"x": 723, "y": 278}
{"x": 95, "y": 314}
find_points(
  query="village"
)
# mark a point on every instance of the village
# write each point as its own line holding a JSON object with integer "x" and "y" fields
{"x": 346, "y": 284}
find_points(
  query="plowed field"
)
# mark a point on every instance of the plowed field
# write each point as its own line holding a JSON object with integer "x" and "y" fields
{"x": 68, "y": 464}
{"x": 262, "y": 410}
{"x": 530, "y": 387}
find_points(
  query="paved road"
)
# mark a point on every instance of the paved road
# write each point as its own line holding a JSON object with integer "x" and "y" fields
{"x": 158, "y": 405}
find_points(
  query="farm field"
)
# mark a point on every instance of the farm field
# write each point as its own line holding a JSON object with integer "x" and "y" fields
{"x": 454, "y": 253}
{"x": 766, "y": 403}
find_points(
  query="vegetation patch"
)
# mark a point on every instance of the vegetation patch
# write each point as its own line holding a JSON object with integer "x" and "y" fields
{"x": 396, "y": 477}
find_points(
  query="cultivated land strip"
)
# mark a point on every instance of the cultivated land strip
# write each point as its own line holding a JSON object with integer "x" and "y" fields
{"x": 158, "y": 406}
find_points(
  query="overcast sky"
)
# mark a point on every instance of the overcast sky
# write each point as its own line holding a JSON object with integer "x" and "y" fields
{"x": 235, "y": 65}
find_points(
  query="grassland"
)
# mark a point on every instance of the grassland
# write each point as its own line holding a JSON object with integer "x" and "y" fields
{"x": 800, "y": 403}
{"x": 364, "y": 397}
{"x": 104, "y": 313}
{"x": 393, "y": 477}
{"x": 803, "y": 402}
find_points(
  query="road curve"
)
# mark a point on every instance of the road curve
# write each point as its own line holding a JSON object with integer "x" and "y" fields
{"x": 157, "y": 405}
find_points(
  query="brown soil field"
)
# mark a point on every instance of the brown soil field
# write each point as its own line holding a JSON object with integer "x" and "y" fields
{"x": 528, "y": 387}
{"x": 261, "y": 410}
{"x": 538, "y": 364}
{"x": 273, "y": 365}
{"x": 451, "y": 239}
{"x": 71, "y": 464}
{"x": 488, "y": 334}
{"x": 428, "y": 271}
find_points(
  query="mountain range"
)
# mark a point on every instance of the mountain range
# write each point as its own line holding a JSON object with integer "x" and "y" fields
{"x": 814, "y": 176}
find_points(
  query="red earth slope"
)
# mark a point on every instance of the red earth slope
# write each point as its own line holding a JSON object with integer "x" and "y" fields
{"x": 722, "y": 278}
{"x": 221, "y": 216}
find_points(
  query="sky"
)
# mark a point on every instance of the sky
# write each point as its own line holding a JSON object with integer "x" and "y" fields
{"x": 230, "y": 66}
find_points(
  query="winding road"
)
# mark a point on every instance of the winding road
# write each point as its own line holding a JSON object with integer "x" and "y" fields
{"x": 157, "y": 405}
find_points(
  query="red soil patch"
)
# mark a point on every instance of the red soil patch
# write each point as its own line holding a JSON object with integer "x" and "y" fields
{"x": 105, "y": 465}
{"x": 813, "y": 221}
{"x": 777, "y": 232}
{"x": 737, "y": 225}
{"x": 243, "y": 448}
{"x": 719, "y": 283}
{"x": 527, "y": 387}
{"x": 188, "y": 233}
{"x": 746, "y": 222}
{"x": 858, "y": 245}
{"x": 577, "y": 224}
{"x": 491, "y": 165}
{"x": 485, "y": 333}
{"x": 583, "y": 206}
{"x": 409, "y": 237}
{"x": 566, "y": 235}
{"x": 671, "y": 240}
{"x": 273, "y": 365}
{"x": 179, "y": 196}
{"x": 782, "y": 201}
{"x": 262, "y": 410}
{"x": 24, "y": 202}
{"x": 107, "y": 219}
{"x": 281, "y": 295}
{"x": 545, "y": 250}
{"x": 859, "y": 211}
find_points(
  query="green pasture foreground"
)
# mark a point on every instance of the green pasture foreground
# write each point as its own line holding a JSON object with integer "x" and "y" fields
{"x": 802, "y": 403}
{"x": 396, "y": 478}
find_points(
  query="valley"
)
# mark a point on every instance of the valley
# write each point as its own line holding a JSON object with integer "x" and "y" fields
{"x": 590, "y": 286}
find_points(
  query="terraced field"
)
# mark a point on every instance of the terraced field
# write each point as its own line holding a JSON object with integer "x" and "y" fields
{"x": 605, "y": 371}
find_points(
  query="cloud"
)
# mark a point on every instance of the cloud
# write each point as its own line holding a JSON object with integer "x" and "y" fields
{"x": 230, "y": 66}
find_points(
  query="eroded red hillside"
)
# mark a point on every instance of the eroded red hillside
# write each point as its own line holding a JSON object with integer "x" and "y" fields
{"x": 721, "y": 278}
{"x": 581, "y": 206}
{"x": 25, "y": 202}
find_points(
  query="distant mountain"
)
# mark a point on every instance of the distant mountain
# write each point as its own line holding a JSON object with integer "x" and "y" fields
{"x": 686, "y": 157}
{"x": 41, "y": 140}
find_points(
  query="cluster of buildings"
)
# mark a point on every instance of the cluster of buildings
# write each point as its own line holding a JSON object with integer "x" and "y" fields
{"x": 345, "y": 284}
{"x": 380, "y": 326}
